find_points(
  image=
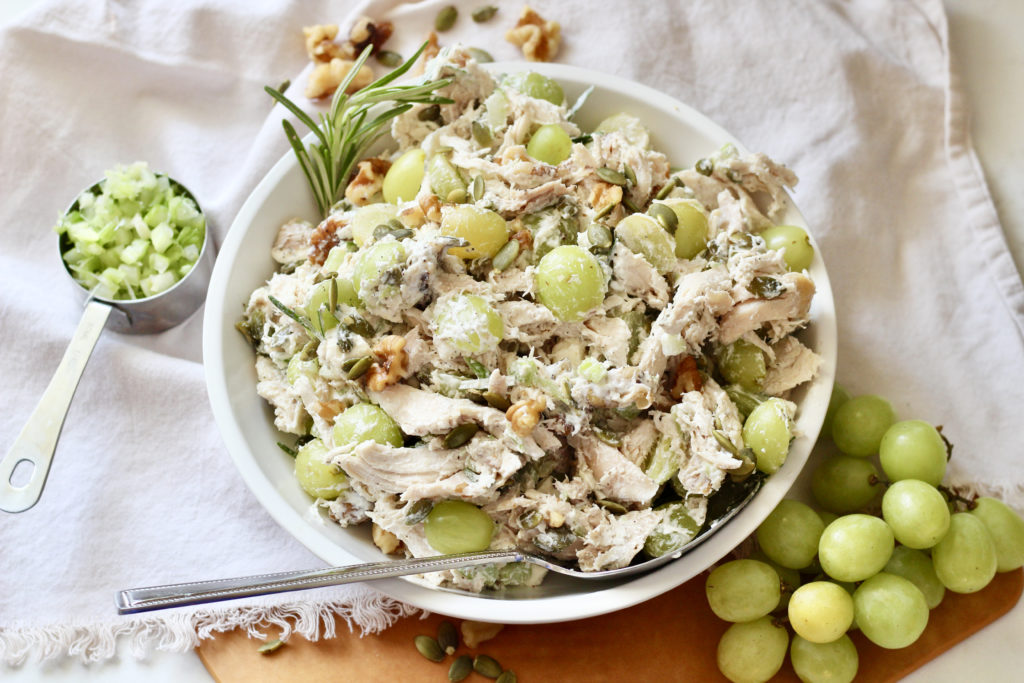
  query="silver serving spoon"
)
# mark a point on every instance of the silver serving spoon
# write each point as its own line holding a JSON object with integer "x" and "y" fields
{"x": 152, "y": 598}
{"x": 26, "y": 465}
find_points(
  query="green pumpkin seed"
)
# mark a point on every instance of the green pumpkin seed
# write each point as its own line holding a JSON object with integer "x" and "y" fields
{"x": 600, "y": 236}
{"x": 605, "y": 210}
{"x": 704, "y": 166}
{"x": 486, "y": 666}
{"x": 445, "y": 19}
{"x": 418, "y": 511}
{"x": 461, "y": 668}
{"x": 724, "y": 441}
{"x": 482, "y": 14}
{"x": 447, "y": 637}
{"x": 456, "y": 196}
{"x": 554, "y": 540}
{"x": 746, "y": 457}
{"x": 480, "y": 56}
{"x": 506, "y": 256}
{"x": 431, "y": 113}
{"x": 733, "y": 175}
{"x": 270, "y": 646}
{"x": 482, "y": 134}
{"x": 389, "y": 59}
{"x": 584, "y": 139}
{"x": 664, "y": 215}
{"x": 764, "y": 287}
{"x": 507, "y": 676}
{"x": 611, "y": 506}
{"x": 358, "y": 368}
{"x": 529, "y": 519}
{"x": 429, "y": 648}
{"x": 497, "y": 401}
{"x": 358, "y": 325}
{"x": 627, "y": 171}
{"x": 628, "y": 203}
{"x": 610, "y": 176}
{"x": 666, "y": 188}
{"x": 477, "y": 189}
{"x": 461, "y": 435}
{"x": 332, "y": 296}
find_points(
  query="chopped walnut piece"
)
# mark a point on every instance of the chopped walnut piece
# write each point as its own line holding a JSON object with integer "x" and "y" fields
{"x": 320, "y": 45}
{"x": 605, "y": 194}
{"x": 524, "y": 238}
{"x": 324, "y": 238}
{"x": 365, "y": 31}
{"x": 391, "y": 364}
{"x": 328, "y": 410}
{"x": 431, "y": 207}
{"x": 687, "y": 378}
{"x": 385, "y": 540}
{"x": 476, "y": 632}
{"x": 524, "y": 415}
{"x": 538, "y": 38}
{"x": 327, "y": 76}
{"x": 411, "y": 216}
{"x": 431, "y": 51}
{"x": 368, "y": 181}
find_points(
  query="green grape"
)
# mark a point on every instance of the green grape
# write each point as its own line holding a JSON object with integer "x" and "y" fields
{"x": 318, "y": 309}
{"x": 834, "y": 662}
{"x": 916, "y": 567}
{"x": 752, "y": 651}
{"x": 537, "y": 85}
{"x": 469, "y": 323}
{"x": 742, "y": 363}
{"x": 377, "y": 261}
{"x": 485, "y": 230}
{"x": 839, "y": 397}
{"x": 455, "y": 526}
{"x": 789, "y": 578}
{"x": 820, "y": 611}
{"x": 827, "y": 517}
{"x": 1007, "y": 530}
{"x": 550, "y": 144}
{"x": 365, "y": 220}
{"x": 798, "y": 252}
{"x": 300, "y": 367}
{"x": 445, "y": 180}
{"x": 913, "y": 449}
{"x": 402, "y": 181}
{"x": 860, "y": 423}
{"x": 692, "y": 231}
{"x": 766, "y": 431}
{"x": 891, "y": 611}
{"x": 789, "y": 534}
{"x": 854, "y": 547}
{"x": 742, "y": 590}
{"x": 366, "y": 422}
{"x": 630, "y": 127}
{"x": 965, "y": 559}
{"x": 916, "y": 512}
{"x": 570, "y": 282}
{"x": 645, "y": 236}
{"x": 845, "y": 483}
{"x": 675, "y": 530}
{"x": 317, "y": 477}
{"x": 663, "y": 462}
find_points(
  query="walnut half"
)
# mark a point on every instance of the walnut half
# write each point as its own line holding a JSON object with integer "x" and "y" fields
{"x": 368, "y": 181}
{"x": 524, "y": 415}
{"x": 538, "y": 38}
{"x": 327, "y": 76}
{"x": 391, "y": 364}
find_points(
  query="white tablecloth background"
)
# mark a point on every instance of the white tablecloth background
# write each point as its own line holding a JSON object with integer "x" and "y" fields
{"x": 857, "y": 97}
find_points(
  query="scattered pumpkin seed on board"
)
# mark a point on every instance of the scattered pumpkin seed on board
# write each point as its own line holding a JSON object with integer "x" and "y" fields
{"x": 270, "y": 646}
{"x": 487, "y": 666}
{"x": 461, "y": 668}
{"x": 447, "y": 637}
{"x": 429, "y": 648}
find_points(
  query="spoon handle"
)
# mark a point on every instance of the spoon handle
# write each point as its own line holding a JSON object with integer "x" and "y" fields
{"x": 199, "y": 592}
{"x": 38, "y": 439}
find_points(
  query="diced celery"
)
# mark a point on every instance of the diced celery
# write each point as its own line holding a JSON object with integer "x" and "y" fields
{"x": 161, "y": 237}
{"x": 190, "y": 253}
{"x": 156, "y": 216}
{"x": 592, "y": 370}
{"x": 131, "y": 274}
{"x": 159, "y": 262}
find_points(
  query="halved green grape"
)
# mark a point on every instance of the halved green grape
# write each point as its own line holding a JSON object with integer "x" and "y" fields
{"x": 916, "y": 567}
{"x": 676, "y": 530}
{"x": 789, "y": 578}
{"x": 301, "y": 367}
{"x": 965, "y": 559}
{"x": 316, "y": 477}
{"x": 550, "y": 144}
{"x": 742, "y": 590}
{"x": 820, "y": 611}
{"x": 663, "y": 461}
{"x": 1007, "y": 530}
{"x": 485, "y": 230}
{"x": 854, "y": 547}
{"x": 377, "y": 261}
{"x": 891, "y": 611}
{"x": 845, "y": 483}
{"x": 570, "y": 282}
{"x": 839, "y": 397}
{"x": 834, "y": 662}
{"x": 537, "y": 85}
{"x": 469, "y": 323}
{"x": 752, "y": 651}
{"x": 645, "y": 236}
{"x": 859, "y": 424}
{"x": 455, "y": 526}
{"x": 789, "y": 534}
{"x": 913, "y": 449}
{"x": 366, "y": 422}
{"x": 916, "y": 512}
{"x": 366, "y": 219}
{"x": 742, "y": 363}
{"x": 321, "y": 317}
{"x": 766, "y": 431}
{"x": 402, "y": 181}
{"x": 691, "y": 234}
{"x": 798, "y": 252}
{"x": 445, "y": 180}
{"x": 630, "y": 126}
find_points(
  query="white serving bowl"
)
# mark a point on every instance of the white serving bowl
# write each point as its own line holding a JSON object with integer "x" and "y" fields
{"x": 246, "y": 421}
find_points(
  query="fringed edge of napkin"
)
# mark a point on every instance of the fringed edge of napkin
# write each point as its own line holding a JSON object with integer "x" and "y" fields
{"x": 368, "y": 610}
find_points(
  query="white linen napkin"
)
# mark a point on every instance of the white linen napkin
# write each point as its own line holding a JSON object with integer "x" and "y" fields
{"x": 857, "y": 97}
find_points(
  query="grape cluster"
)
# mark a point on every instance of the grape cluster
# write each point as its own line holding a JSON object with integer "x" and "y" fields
{"x": 857, "y": 563}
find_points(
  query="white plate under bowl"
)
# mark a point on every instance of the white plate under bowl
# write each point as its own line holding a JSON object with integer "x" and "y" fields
{"x": 246, "y": 421}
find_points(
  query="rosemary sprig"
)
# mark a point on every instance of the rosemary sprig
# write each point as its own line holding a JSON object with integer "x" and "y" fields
{"x": 350, "y": 126}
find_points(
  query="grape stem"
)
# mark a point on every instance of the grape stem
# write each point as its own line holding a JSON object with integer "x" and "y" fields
{"x": 969, "y": 502}
{"x": 949, "y": 444}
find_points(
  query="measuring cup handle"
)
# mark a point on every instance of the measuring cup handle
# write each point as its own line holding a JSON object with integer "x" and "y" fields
{"x": 38, "y": 439}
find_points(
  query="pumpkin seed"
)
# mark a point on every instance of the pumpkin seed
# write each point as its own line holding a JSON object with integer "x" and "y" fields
{"x": 627, "y": 171}
{"x": 486, "y": 666}
{"x": 746, "y": 457}
{"x": 384, "y": 230}
{"x": 461, "y": 668}
{"x": 584, "y": 139}
{"x": 477, "y": 189}
{"x": 724, "y": 441}
{"x": 389, "y": 59}
{"x": 666, "y": 188}
{"x": 482, "y": 14}
{"x": 600, "y": 236}
{"x": 456, "y": 196}
{"x": 287, "y": 449}
{"x": 332, "y": 296}
{"x": 627, "y": 202}
{"x": 506, "y": 256}
{"x": 357, "y": 325}
{"x": 444, "y": 149}
{"x": 358, "y": 368}
{"x": 610, "y": 176}
{"x": 431, "y": 113}
{"x": 429, "y": 648}
{"x": 764, "y": 287}
{"x": 497, "y": 401}
{"x": 704, "y": 166}
{"x": 482, "y": 134}
{"x": 507, "y": 676}
{"x": 480, "y": 56}
{"x": 418, "y": 511}
{"x": 478, "y": 368}
{"x": 664, "y": 215}
{"x": 447, "y": 637}
{"x": 270, "y": 646}
{"x": 733, "y": 175}
{"x": 445, "y": 19}
{"x": 460, "y": 435}
{"x": 529, "y": 519}
{"x": 554, "y": 540}
{"x": 611, "y": 506}
{"x": 605, "y": 210}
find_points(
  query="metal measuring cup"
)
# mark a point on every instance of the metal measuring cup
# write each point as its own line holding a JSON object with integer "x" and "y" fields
{"x": 37, "y": 441}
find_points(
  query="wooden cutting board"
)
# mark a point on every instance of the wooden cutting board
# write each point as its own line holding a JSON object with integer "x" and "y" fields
{"x": 669, "y": 638}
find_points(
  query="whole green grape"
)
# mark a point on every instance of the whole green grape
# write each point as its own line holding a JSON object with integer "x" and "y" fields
{"x": 570, "y": 282}
{"x": 301, "y": 367}
{"x": 455, "y": 526}
{"x": 742, "y": 363}
{"x": 644, "y": 235}
{"x": 916, "y": 512}
{"x": 630, "y": 126}
{"x": 891, "y": 611}
{"x": 789, "y": 578}
{"x": 366, "y": 422}
{"x": 484, "y": 230}
{"x": 965, "y": 559}
{"x": 1007, "y": 530}
{"x": 445, "y": 180}
{"x": 838, "y": 397}
{"x": 318, "y": 309}
{"x": 365, "y": 220}
{"x": 916, "y": 567}
{"x": 860, "y": 423}
{"x": 469, "y": 323}
{"x": 798, "y": 252}
{"x": 845, "y": 483}
{"x": 913, "y": 449}
{"x": 742, "y": 590}
{"x": 676, "y": 530}
{"x": 692, "y": 231}
{"x": 550, "y": 144}
{"x": 766, "y": 431}
{"x": 376, "y": 261}
{"x": 790, "y": 533}
{"x": 315, "y": 475}
{"x": 855, "y": 547}
{"x": 402, "y": 181}
{"x": 752, "y": 651}
{"x": 537, "y": 85}
{"x": 820, "y": 611}
{"x": 834, "y": 662}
